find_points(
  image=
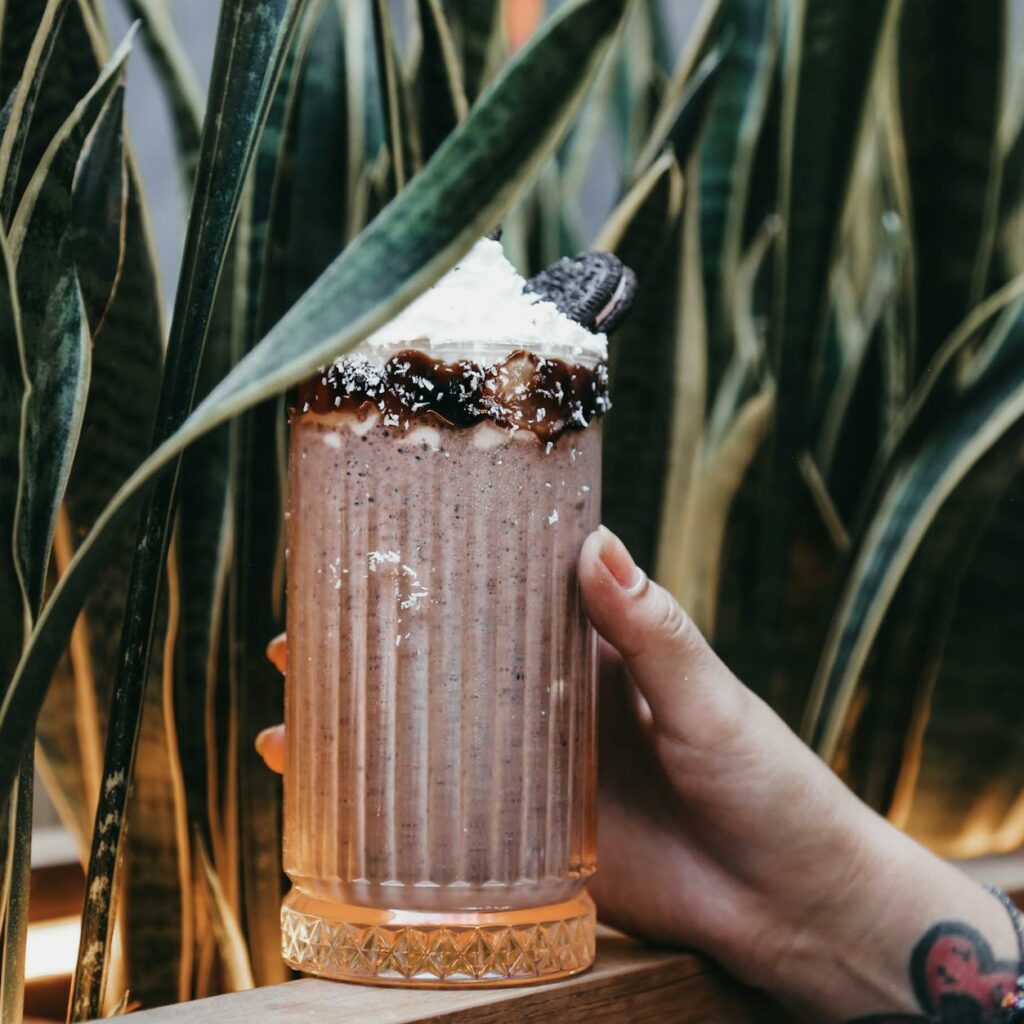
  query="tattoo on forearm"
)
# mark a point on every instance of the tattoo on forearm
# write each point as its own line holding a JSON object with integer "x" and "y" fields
{"x": 956, "y": 979}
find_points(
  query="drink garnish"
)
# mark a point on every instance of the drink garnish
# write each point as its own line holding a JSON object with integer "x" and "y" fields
{"x": 595, "y": 289}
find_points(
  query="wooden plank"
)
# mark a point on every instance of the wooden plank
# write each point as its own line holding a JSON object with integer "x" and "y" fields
{"x": 629, "y": 982}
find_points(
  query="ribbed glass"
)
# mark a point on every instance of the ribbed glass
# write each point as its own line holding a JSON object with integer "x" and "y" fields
{"x": 440, "y": 688}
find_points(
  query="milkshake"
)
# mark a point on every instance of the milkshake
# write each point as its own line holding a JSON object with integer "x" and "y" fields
{"x": 440, "y": 704}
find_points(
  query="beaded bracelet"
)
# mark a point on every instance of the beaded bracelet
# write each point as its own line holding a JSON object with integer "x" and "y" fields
{"x": 1013, "y": 1002}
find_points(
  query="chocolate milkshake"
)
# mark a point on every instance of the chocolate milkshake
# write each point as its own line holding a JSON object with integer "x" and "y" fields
{"x": 440, "y": 708}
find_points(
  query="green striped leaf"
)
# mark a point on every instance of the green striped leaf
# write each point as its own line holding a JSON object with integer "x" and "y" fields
{"x": 57, "y": 350}
{"x": 829, "y": 56}
{"x": 99, "y": 202}
{"x": 367, "y": 185}
{"x": 69, "y": 48}
{"x": 703, "y": 39}
{"x": 924, "y": 475}
{"x": 950, "y": 68}
{"x": 682, "y": 131}
{"x": 21, "y": 104}
{"x": 440, "y": 92}
{"x": 727, "y": 160}
{"x": 478, "y": 33}
{"x": 250, "y": 36}
{"x": 178, "y": 80}
{"x": 391, "y": 102}
{"x": 15, "y": 870}
{"x": 14, "y": 623}
{"x": 642, "y": 360}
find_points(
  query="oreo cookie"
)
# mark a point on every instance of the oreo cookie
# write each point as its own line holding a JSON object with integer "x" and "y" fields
{"x": 595, "y": 289}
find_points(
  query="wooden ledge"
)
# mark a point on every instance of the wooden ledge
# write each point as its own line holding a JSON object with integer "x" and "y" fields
{"x": 629, "y": 982}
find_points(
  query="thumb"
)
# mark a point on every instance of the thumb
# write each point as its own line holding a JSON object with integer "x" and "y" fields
{"x": 692, "y": 695}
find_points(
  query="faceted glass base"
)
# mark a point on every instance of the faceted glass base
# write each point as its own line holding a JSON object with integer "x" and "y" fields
{"x": 431, "y": 950}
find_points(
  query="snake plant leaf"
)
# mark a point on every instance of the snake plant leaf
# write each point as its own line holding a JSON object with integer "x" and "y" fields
{"x": 204, "y": 558}
{"x": 213, "y": 471}
{"x": 98, "y": 222}
{"x": 298, "y": 228}
{"x": 678, "y": 527}
{"x": 830, "y": 52}
{"x": 704, "y": 38}
{"x": 94, "y": 246}
{"x": 48, "y": 23}
{"x": 967, "y": 800}
{"x": 661, "y": 37}
{"x": 391, "y": 102}
{"x": 727, "y": 160}
{"x": 683, "y": 131}
{"x": 367, "y": 123}
{"x": 6, "y": 111}
{"x": 56, "y": 332}
{"x": 19, "y": 28}
{"x": 307, "y": 224}
{"x": 886, "y": 748}
{"x": 478, "y": 34}
{"x": 951, "y": 72}
{"x": 642, "y": 363}
{"x": 440, "y": 92}
{"x": 721, "y": 472}
{"x": 471, "y": 181}
{"x": 637, "y": 101}
{"x": 14, "y": 621}
{"x": 15, "y": 872}
{"x": 123, "y": 390}
{"x": 257, "y": 487}
{"x": 205, "y": 523}
{"x": 127, "y": 362}
{"x": 69, "y": 71}
{"x": 14, "y": 383}
{"x": 1008, "y": 257}
{"x": 56, "y": 359}
{"x": 227, "y": 930}
{"x": 923, "y": 476}
{"x": 125, "y": 382}
{"x": 249, "y": 37}
{"x": 258, "y": 604}
{"x": 576, "y": 159}
{"x": 178, "y": 79}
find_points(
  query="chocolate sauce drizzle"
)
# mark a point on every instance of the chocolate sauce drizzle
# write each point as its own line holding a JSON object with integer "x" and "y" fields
{"x": 522, "y": 392}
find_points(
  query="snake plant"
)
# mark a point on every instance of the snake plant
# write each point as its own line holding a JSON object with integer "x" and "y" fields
{"x": 819, "y": 398}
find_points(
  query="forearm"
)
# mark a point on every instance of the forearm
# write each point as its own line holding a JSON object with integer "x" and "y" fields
{"x": 911, "y": 939}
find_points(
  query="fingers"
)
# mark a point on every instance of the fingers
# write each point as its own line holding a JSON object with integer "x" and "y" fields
{"x": 691, "y": 694}
{"x": 277, "y": 652}
{"x": 270, "y": 743}
{"x": 270, "y": 746}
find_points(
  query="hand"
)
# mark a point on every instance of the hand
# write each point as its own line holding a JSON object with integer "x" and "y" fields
{"x": 720, "y": 831}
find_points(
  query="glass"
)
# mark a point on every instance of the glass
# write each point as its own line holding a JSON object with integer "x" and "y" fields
{"x": 440, "y": 699}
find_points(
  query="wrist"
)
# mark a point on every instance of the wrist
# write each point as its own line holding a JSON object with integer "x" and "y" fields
{"x": 875, "y": 944}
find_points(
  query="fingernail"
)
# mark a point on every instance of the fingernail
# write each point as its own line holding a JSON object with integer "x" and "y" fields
{"x": 618, "y": 561}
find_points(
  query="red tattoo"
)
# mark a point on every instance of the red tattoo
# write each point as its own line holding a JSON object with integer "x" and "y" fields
{"x": 956, "y": 979}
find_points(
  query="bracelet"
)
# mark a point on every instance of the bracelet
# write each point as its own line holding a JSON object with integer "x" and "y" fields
{"x": 1013, "y": 1002}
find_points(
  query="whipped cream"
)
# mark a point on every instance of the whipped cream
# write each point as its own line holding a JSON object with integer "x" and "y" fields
{"x": 478, "y": 311}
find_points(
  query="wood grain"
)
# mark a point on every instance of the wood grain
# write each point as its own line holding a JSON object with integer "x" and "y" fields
{"x": 630, "y": 982}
